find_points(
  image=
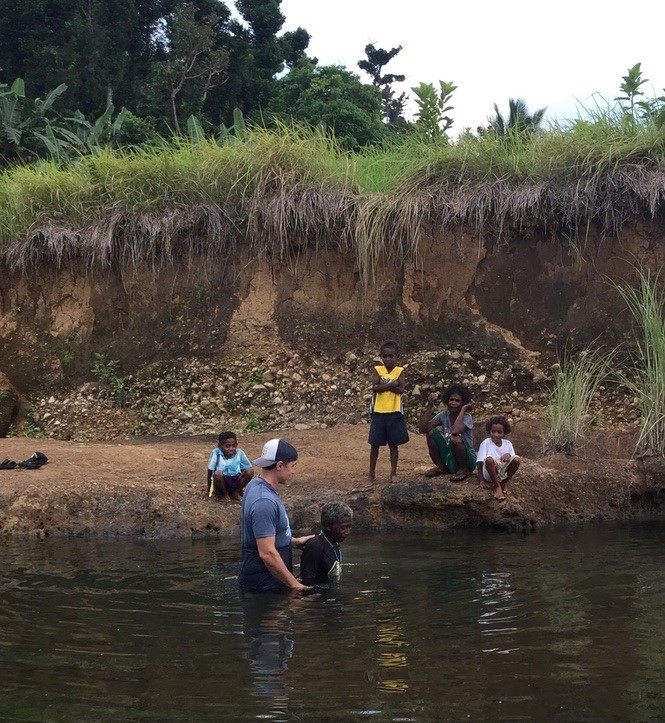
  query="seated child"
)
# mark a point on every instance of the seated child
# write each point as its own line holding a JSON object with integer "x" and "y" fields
{"x": 450, "y": 434}
{"x": 497, "y": 461}
{"x": 321, "y": 557}
{"x": 229, "y": 470}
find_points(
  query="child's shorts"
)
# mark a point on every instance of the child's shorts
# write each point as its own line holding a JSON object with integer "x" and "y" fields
{"x": 501, "y": 470}
{"x": 388, "y": 429}
{"x": 231, "y": 482}
{"x": 447, "y": 456}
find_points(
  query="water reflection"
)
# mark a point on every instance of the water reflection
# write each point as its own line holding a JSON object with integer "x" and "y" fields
{"x": 565, "y": 626}
{"x": 392, "y": 644}
{"x": 268, "y": 625}
{"x": 498, "y": 616}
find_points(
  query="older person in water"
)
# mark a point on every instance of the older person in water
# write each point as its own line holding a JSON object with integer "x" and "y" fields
{"x": 322, "y": 557}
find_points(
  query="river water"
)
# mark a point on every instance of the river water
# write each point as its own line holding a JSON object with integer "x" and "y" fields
{"x": 556, "y": 625}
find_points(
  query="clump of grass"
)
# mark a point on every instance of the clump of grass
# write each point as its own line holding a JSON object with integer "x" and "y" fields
{"x": 647, "y": 381}
{"x": 576, "y": 381}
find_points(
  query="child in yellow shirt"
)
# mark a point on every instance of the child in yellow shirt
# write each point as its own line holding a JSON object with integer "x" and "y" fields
{"x": 388, "y": 425}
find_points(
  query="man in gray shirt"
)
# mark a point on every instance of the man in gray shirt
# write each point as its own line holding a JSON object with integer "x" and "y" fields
{"x": 267, "y": 543}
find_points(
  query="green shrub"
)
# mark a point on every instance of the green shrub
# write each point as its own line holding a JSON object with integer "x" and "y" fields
{"x": 576, "y": 381}
{"x": 108, "y": 372}
{"x": 647, "y": 377}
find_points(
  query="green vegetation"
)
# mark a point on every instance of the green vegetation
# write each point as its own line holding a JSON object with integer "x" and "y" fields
{"x": 576, "y": 381}
{"x": 431, "y": 118}
{"x": 165, "y": 60}
{"x": 647, "y": 380}
{"x": 287, "y": 185}
{"x": 108, "y": 372}
{"x": 31, "y": 425}
{"x": 330, "y": 97}
{"x": 253, "y": 423}
{"x": 518, "y": 122}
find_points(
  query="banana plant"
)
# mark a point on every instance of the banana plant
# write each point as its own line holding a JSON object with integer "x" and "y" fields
{"x": 89, "y": 137}
{"x": 27, "y": 125}
{"x": 238, "y": 131}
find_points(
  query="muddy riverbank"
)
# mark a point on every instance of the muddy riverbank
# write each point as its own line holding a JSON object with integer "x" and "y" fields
{"x": 155, "y": 487}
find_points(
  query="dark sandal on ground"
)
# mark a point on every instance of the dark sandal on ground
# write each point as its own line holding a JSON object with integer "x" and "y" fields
{"x": 8, "y": 464}
{"x": 35, "y": 461}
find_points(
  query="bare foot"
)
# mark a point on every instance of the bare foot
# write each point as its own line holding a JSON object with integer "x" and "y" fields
{"x": 435, "y": 471}
{"x": 484, "y": 485}
{"x": 236, "y": 498}
{"x": 498, "y": 495}
{"x": 506, "y": 490}
{"x": 459, "y": 476}
{"x": 394, "y": 478}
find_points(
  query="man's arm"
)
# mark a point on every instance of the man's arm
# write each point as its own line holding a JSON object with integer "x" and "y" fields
{"x": 276, "y": 567}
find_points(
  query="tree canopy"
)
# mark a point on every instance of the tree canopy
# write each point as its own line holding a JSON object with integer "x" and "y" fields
{"x": 163, "y": 58}
{"x": 331, "y": 96}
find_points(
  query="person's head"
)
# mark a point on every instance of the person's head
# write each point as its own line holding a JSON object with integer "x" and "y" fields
{"x": 336, "y": 520}
{"x": 389, "y": 354}
{"x": 278, "y": 460}
{"x": 498, "y": 427}
{"x": 228, "y": 443}
{"x": 456, "y": 396}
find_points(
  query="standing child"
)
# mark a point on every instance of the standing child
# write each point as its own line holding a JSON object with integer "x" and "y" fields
{"x": 388, "y": 425}
{"x": 450, "y": 434}
{"x": 497, "y": 461}
{"x": 229, "y": 470}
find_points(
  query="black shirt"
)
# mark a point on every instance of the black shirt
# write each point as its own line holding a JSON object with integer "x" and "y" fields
{"x": 320, "y": 558}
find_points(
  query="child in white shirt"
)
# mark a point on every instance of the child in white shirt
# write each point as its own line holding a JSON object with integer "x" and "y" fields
{"x": 497, "y": 461}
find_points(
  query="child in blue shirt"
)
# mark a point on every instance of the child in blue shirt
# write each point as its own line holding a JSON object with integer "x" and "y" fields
{"x": 229, "y": 469}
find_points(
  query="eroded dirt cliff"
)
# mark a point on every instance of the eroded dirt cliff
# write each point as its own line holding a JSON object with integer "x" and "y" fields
{"x": 265, "y": 344}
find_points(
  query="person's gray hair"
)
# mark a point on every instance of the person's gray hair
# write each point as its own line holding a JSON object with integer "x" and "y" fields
{"x": 333, "y": 512}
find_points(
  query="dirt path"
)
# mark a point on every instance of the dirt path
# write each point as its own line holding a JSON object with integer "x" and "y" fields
{"x": 156, "y": 486}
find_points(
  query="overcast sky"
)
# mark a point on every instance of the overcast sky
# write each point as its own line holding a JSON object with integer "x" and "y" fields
{"x": 551, "y": 54}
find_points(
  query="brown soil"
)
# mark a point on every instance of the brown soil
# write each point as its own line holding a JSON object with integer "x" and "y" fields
{"x": 156, "y": 487}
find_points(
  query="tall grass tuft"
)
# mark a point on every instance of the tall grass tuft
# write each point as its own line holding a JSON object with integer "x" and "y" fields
{"x": 576, "y": 381}
{"x": 647, "y": 304}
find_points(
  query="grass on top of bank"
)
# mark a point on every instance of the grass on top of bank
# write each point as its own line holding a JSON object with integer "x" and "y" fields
{"x": 280, "y": 189}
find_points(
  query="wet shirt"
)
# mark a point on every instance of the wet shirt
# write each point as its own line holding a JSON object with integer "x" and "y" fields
{"x": 443, "y": 420}
{"x": 321, "y": 560}
{"x": 263, "y": 515}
